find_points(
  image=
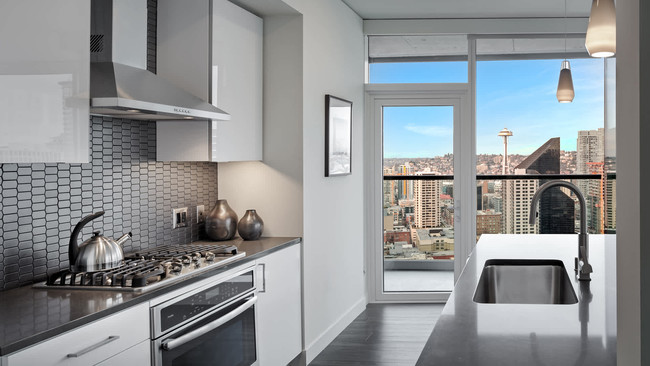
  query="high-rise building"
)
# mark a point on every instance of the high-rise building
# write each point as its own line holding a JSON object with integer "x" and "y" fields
{"x": 595, "y": 198}
{"x": 389, "y": 189}
{"x": 544, "y": 160}
{"x": 590, "y": 160}
{"x": 610, "y": 193}
{"x": 610, "y": 206}
{"x": 405, "y": 188}
{"x": 493, "y": 201}
{"x": 556, "y": 208}
{"x": 427, "y": 203}
{"x": 517, "y": 195}
{"x": 590, "y": 149}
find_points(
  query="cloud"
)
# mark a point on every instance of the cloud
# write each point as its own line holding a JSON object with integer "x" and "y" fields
{"x": 432, "y": 131}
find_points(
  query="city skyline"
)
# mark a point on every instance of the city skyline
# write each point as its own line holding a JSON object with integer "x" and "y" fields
{"x": 486, "y": 163}
{"x": 502, "y": 205}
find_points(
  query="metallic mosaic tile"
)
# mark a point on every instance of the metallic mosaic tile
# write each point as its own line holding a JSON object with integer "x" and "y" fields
{"x": 41, "y": 203}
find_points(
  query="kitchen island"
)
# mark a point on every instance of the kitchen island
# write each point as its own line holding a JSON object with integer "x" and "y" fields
{"x": 584, "y": 333}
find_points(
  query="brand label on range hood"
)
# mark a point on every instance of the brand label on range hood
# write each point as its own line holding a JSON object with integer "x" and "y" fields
{"x": 181, "y": 110}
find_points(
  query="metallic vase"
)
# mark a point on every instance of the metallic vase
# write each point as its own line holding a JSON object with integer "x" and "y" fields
{"x": 250, "y": 226}
{"x": 221, "y": 222}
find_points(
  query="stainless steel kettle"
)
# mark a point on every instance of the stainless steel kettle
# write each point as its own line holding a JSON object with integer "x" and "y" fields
{"x": 96, "y": 253}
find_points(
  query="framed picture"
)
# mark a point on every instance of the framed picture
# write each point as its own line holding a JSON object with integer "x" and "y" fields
{"x": 338, "y": 136}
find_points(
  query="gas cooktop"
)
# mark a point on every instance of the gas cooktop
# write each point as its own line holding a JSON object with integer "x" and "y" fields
{"x": 148, "y": 269}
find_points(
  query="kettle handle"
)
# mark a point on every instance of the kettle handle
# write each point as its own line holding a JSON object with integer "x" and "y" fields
{"x": 73, "y": 248}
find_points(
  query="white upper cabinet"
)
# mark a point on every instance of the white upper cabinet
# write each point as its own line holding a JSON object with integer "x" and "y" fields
{"x": 237, "y": 42}
{"x": 227, "y": 72}
{"x": 44, "y": 81}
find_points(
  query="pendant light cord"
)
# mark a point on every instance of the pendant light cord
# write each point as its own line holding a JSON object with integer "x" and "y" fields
{"x": 565, "y": 29}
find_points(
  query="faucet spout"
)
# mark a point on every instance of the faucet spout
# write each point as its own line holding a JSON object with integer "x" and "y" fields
{"x": 582, "y": 267}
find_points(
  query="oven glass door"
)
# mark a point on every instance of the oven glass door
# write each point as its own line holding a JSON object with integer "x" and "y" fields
{"x": 224, "y": 338}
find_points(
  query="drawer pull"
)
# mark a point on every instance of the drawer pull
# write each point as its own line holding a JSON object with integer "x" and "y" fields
{"x": 93, "y": 347}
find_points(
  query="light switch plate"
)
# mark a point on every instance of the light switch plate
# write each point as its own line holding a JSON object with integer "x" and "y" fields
{"x": 179, "y": 217}
{"x": 200, "y": 214}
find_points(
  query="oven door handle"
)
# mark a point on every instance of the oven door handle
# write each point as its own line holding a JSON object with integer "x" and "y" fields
{"x": 172, "y": 343}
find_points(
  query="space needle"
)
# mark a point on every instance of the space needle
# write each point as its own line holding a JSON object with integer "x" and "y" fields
{"x": 505, "y": 133}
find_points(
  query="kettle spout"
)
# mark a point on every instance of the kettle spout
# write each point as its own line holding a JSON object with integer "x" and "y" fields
{"x": 123, "y": 238}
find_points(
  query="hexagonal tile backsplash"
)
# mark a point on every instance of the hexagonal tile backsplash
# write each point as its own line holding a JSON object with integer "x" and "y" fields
{"x": 41, "y": 203}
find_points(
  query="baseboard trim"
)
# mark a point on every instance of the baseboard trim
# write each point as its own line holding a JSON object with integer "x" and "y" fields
{"x": 318, "y": 345}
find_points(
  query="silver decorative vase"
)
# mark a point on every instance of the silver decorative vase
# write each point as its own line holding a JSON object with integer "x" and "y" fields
{"x": 250, "y": 226}
{"x": 221, "y": 222}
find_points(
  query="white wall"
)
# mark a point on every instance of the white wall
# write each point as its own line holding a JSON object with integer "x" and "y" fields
{"x": 318, "y": 52}
{"x": 630, "y": 202}
{"x": 274, "y": 186}
{"x": 334, "y": 282}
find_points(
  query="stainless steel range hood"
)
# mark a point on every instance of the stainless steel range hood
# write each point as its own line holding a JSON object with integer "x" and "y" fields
{"x": 120, "y": 86}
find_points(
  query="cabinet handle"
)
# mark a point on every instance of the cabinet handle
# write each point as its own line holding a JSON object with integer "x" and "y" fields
{"x": 93, "y": 347}
{"x": 262, "y": 266}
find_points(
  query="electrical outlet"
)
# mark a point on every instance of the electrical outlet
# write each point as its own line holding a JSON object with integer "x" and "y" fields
{"x": 200, "y": 214}
{"x": 179, "y": 218}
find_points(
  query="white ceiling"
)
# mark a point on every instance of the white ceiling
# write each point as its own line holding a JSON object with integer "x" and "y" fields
{"x": 423, "y": 9}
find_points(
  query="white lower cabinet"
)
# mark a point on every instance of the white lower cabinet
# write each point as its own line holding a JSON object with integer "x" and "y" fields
{"x": 279, "y": 307}
{"x": 140, "y": 354}
{"x": 95, "y": 343}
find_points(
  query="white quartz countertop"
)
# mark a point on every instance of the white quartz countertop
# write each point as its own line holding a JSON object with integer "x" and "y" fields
{"x": 470, "y": 333}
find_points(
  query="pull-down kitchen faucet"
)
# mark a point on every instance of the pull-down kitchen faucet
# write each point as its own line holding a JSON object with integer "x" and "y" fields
{"x": 582, "y": 266}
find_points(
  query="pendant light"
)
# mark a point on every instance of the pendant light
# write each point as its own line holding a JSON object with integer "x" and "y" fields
{"x": 601, "y": 31}
{"x": 565, "y": 91}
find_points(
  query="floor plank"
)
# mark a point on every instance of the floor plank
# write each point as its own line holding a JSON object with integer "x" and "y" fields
{"x": 384, "y": 334}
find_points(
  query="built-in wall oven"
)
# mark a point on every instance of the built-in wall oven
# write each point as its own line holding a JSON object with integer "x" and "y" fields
{"x": 213, "y": 324}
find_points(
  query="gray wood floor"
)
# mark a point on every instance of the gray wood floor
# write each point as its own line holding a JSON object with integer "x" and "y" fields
{"x": 384, "y": 334}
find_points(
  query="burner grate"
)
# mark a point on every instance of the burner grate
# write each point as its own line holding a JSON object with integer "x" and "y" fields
{"x": 189, "y": 250}
{"x": 147, "y": 267}
{"x": 134, "y": 273}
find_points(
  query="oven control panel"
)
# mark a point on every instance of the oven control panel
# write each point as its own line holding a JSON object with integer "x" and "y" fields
{"x": 180, "y": 311}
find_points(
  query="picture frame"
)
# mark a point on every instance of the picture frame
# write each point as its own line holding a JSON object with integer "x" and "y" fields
{"x": 338, "y": 136}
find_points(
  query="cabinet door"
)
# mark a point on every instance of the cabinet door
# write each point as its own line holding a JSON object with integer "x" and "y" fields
{"x": 91, "y": 343}
{"x": 237, "y": 42}
{"x": 139, "y": 354}
{"x": 279, "y": 307}
{"x": 235, "y": 67}
{"x": 44, "y": 81}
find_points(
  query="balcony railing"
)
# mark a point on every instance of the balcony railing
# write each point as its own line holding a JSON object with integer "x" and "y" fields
{"x": 502, "y": 176}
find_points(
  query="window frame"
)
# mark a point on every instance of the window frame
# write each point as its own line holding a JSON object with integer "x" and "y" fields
{"x": 465, "y": 174}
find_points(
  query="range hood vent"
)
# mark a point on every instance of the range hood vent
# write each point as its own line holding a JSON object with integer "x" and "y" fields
{"x": 128, "y": 90}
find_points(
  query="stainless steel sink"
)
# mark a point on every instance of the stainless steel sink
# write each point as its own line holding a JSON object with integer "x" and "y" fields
{"x": 524, "y": 281}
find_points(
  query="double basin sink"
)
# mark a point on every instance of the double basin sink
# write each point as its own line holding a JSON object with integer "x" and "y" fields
{"x": 524, "y": 281}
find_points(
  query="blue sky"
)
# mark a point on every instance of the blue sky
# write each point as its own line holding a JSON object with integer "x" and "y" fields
{"x": 519, "y": 95}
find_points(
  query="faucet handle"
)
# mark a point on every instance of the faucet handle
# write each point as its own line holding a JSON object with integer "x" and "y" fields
{"x": 584, "y": 264}
{"x": 583, "y": 270}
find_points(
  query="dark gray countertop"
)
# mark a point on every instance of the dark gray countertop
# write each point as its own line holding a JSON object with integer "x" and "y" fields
{"x": 29, "y": 316}
{"x": 470, "y": 333}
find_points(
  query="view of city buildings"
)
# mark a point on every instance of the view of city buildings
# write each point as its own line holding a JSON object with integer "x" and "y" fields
{"x": 419, "y": 213}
